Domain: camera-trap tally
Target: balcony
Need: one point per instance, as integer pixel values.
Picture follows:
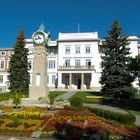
(76, 68)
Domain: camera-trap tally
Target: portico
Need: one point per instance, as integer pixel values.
(74, 80)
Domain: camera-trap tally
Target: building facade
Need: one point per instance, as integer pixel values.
(73, 61)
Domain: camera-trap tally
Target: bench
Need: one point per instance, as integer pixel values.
(94, 97)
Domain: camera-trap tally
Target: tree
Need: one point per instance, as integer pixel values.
(18, 70)
(116, 78)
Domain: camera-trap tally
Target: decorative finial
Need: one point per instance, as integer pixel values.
(41, 28)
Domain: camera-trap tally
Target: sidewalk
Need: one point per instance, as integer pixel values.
(66, 95)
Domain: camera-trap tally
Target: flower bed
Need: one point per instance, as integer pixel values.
(27, 115)
(19, 126)
(69, 122)
(64, 123)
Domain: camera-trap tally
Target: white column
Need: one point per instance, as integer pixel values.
(82, 81)
(59, 79)
(70, 80)
(92, 81)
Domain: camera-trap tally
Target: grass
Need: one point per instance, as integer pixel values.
(138, 96)
(134, 112)
(56, 93)
(4, 96)
(84, 94)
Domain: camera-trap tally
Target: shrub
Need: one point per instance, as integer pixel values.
(16, 97)
(119, 117)
(26, 125)
(76, 102)
(73, 108)
(4, 96)
(13, 124)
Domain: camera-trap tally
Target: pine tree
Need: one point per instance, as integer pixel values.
(116, 79)
(18, 71)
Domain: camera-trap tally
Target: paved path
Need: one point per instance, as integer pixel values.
(66, 95)
(137, 120)
(115, 109)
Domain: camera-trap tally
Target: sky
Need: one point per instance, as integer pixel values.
(64, 16)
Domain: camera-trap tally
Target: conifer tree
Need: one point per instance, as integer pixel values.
(18, 70)
(116, 78)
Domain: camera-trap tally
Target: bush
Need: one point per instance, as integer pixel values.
(4, 96)
(16, 97)
(76, 102)
(13, 124)
(26, 125)
(119, 117)
(73, 108)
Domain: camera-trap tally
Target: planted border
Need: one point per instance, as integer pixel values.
(116, 116)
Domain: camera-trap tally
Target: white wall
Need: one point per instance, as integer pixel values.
(133, 45)
(93, 55)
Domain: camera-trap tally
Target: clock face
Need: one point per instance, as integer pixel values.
(39, 38)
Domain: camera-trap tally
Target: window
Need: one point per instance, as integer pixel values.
(30, 79)
(10, 53)
(67, 63)
(37, 82)
(53, 79)
(77, 50)
(77, 63)
(88, 49)
(47, 79)
(67, 50)
(8, 64)
(1, 78)
(30, 64)
(3, 53)
(2, 64)
(7, 84)
(88, 63)
(51, 64)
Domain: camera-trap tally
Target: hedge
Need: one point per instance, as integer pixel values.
(76, 102)
(116, 116)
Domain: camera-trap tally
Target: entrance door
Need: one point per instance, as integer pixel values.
(79, 84)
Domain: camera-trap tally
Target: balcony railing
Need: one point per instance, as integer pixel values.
(92, 67)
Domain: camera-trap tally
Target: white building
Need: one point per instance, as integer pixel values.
(74, 61)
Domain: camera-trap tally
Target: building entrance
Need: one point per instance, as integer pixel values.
(79, 84)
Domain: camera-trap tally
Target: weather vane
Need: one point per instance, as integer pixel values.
(41, 28)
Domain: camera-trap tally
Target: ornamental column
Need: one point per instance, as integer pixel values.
(70, 81)
(82, 81)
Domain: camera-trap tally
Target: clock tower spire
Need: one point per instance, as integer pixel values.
(38, 87)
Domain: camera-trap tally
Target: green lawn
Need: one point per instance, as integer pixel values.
(134, 112)
(84, 94)
(56, 93)
(138, 96)
(4, 96)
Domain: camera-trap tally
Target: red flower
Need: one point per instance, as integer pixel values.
(77, 124)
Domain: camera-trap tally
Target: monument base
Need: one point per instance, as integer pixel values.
(36, 92)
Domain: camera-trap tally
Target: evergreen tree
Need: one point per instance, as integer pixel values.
(116, 79)
(18, 71)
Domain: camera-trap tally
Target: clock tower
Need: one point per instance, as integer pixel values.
(38, 86)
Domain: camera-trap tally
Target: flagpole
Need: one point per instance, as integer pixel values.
(78, 27)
